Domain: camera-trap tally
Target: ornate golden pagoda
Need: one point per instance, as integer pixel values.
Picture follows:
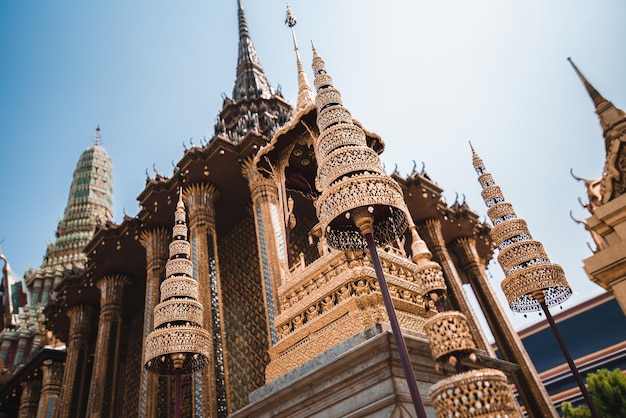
(350, 175)
(530, 276)
(178, 342)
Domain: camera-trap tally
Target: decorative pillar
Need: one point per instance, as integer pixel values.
(50, 388)
(29, 399)
(156, 242)
(71, 399)
(431, 230)
(201, 198)
(530, 388)
(270, 238)
(104, 377)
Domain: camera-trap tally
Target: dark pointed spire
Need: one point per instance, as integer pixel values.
(97, 137)
(593, 93)
(613, 123)
(251, 80)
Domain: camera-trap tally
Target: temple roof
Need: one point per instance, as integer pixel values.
(613, 123)
(251, 81)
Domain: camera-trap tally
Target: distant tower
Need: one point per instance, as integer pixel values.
(607, 201)
(90, 203)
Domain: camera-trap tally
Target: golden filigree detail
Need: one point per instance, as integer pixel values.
(179, 266)
(500, 211)
(180, 247)
(333, 115)
(179, 231)
(178, 342)
(431, 278)
(547, 279)
(177, 339)
(346, 160)
(481, 393)
(449, 334)
(509, 229)
(359, 190)
(492, 195)
(327, 96)
(176, 286)
(178, 310)
(338, 136)
(519, 253)
(322, 80)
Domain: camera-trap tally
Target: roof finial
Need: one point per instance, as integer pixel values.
(181, 204)
(97, 138)
(315, 54)
(479, 166)
(305, 93)
(593, 93)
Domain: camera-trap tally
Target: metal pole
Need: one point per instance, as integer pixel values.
(568, 357)
(395, 326)
(177, 403)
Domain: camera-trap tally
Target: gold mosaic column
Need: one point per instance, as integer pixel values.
(71, 401)
(156, 242)
(29, 399)
(104, 377)
(431, 229)
(270, 238)
(201, 198)
(530, 388)
(50, 388)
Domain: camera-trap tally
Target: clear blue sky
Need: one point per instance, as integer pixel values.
(426, 76)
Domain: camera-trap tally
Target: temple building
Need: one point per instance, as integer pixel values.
(295, 327)
(607, 201)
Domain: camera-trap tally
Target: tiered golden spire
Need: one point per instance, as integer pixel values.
(530, 275)
(350, 174)
(178, 342)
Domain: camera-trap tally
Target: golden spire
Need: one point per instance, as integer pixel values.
(305, 93)
(350, 175)
(178, 342)
(530, 276)
(593, 93)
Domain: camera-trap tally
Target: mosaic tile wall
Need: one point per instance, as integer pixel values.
(244, 317)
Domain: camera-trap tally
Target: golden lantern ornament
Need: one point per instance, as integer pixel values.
(360, 206)
(178, 344)
(532, 282)
(350, 175)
